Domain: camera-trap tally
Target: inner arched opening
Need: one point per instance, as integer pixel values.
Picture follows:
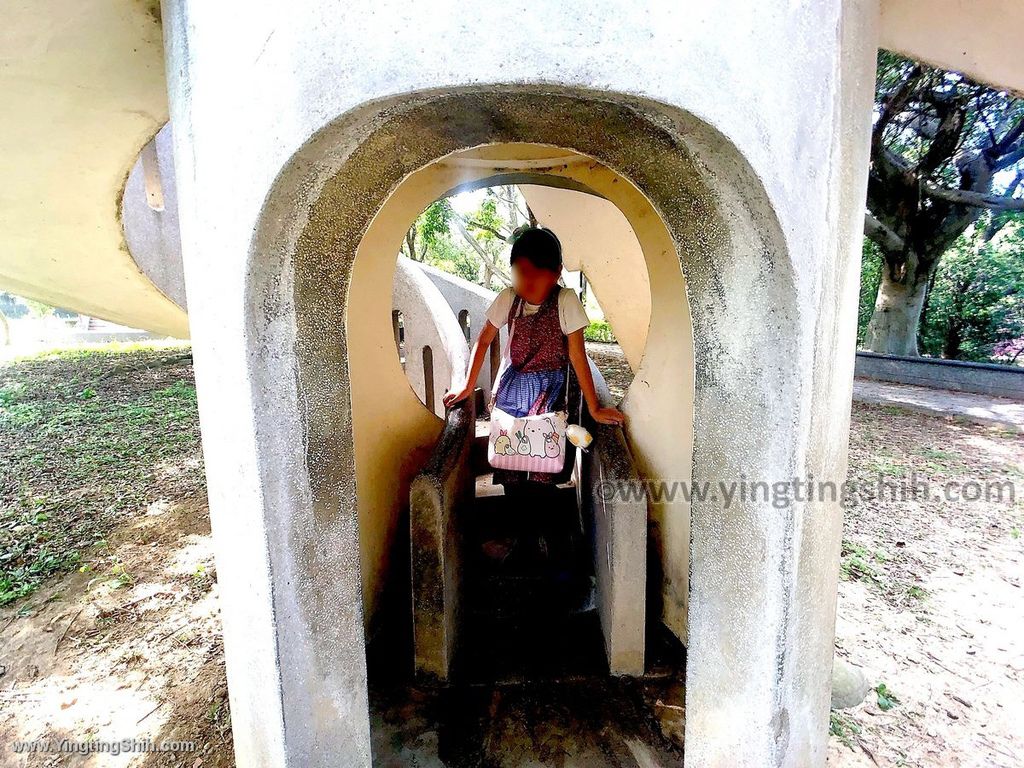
(590, 207)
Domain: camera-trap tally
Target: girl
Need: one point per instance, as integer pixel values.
(548, 334)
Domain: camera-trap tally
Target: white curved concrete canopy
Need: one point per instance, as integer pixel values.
(430, 325)
(84, 90)
(980, 38)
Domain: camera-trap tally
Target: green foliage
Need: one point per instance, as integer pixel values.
(886, 698)
(856, 563)
(870, 278)
(461, 242)
(85, 439)
(938, 127)
(434, 222)
(488, 220)
(844, 728)
(599, 330)
(38, 308)
(450, 256)
(977, 298)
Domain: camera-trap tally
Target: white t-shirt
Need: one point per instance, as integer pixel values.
(571, 314)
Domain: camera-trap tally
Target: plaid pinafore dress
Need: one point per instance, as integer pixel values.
(535, 379)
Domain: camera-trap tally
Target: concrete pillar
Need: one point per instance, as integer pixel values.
(440, 498)
(293, 125)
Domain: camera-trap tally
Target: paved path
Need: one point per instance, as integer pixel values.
(943, 402)
(983, 409)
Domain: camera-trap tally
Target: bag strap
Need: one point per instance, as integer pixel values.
(505, 355)
(512, 324)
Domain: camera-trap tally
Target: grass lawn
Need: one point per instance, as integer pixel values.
(88, 438)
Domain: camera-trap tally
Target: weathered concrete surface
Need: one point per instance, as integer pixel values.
(755, 180)
(85, 90)
(153, 234)
(619, 509)
(439, 497)
(464, 296)
(597, 238)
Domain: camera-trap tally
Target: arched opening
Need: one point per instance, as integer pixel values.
(428, 379)
(398, 327)
(599, 244)
(317, 260)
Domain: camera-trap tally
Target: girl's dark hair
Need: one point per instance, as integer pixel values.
(540, 247)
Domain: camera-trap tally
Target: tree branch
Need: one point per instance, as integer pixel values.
(894, 103)
(975, 199)
(881, 234)
(1010, 158)
(479, 225)
(481, 252)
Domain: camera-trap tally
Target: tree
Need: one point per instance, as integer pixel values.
(937, 145)
(484, 235)
(976, 303)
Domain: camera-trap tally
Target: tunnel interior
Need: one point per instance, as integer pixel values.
(529, 618)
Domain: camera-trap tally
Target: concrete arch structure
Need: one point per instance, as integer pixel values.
(248, 90)
(305, 261)
(600, 242)
(469, 302)
(327, 110)
(149, 217)
(429, 324)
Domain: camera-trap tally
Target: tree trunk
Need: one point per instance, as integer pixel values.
(892, 329)
(952, 341)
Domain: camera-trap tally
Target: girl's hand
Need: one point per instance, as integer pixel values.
(608, 416)
(451, 398)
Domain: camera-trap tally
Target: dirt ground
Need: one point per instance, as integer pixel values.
(930, 607)
(87, 658)
(110, 624)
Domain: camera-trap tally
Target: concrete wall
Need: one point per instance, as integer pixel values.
(631, 263)
(315, 123)
(390, 447)
(597, 239)
(430, 324)
(463, 295)
(149, 216)
(654, 328)
(84, 91)
(620, 541)
(957, 375)
(980, 38)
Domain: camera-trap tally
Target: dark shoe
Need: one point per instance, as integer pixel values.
(498, 549)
